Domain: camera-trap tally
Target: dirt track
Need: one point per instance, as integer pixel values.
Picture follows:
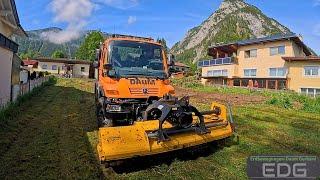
(204, 98)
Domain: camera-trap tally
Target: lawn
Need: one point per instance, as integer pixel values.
(53, 135)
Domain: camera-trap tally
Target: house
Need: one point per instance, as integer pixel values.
(9, 62)
(179, 70)
(61, 66)
(280, 61)
(180, 67)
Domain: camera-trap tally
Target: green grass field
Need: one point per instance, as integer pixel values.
(53, 135)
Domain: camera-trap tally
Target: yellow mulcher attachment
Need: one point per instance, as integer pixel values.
(178, 125)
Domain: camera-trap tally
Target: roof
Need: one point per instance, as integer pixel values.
(180, 64)
(10, 16)
(308, 58)
(277, 37)
(63, 60)
(30, 62)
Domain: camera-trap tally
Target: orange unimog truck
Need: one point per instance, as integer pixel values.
(137, 111)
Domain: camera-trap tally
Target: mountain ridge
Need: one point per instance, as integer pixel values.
(234, 20)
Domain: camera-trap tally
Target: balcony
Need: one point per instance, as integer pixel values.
(216, 62)
(8, 44)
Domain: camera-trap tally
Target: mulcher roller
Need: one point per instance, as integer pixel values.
(167, 125)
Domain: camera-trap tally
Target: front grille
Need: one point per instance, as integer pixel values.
(142, 92)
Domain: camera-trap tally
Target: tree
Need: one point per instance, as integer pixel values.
(29, 54)
(164, 44)
(87, 49)
(58, 54)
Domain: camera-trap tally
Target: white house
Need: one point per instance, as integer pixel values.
(9, 25)
(60, 66)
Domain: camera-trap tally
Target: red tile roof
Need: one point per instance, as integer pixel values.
(30, 62)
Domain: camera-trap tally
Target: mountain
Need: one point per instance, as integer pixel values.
(234, 20)
(35, 42)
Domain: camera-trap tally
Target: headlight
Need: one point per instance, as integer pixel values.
(172, 92)
(112, 92)
(113, 108)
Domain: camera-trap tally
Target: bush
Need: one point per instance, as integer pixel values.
(282, 101)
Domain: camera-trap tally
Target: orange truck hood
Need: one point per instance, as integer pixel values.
(136, 87)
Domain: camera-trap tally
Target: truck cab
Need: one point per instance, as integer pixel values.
(132, 73)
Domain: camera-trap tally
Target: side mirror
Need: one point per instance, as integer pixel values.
(95, 64)
(171, 60)
(107, 67)
(98, 52)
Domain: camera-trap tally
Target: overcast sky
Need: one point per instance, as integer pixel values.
(157, 18)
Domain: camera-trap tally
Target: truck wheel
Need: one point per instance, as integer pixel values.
(96, 92)
(102, 120)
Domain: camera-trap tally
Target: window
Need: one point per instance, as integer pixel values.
(129, 58)
(277, 50)
(205, 63)
(44, 66)
(250, 72)
(277, 72)
(236, 82)
(54, 67)
(311, 71)
(219, 61)
(226, 61)
(83, 69)
(271, 84)
(250, 53)
(212, 62)
(282, 84)
(217, 73)
(312, 92)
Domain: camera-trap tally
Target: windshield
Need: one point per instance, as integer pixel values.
(130, 58)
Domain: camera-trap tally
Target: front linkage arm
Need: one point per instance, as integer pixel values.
(168, 106)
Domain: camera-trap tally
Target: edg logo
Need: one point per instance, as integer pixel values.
(283, 170)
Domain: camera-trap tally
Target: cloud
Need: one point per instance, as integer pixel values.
(132, 19)
(120, 4)
(316, 3)
(72, 12)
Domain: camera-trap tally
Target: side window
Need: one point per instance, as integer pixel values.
(250, 53)
(312, 92)
(54, 67)
(105, 56)
(311, 70)
(44, 66)
(281, 50)
(83, 69)
(277, 50)
(157, 53)
(250, 72)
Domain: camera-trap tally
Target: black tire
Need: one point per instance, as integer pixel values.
(101, 119)
(96, 92)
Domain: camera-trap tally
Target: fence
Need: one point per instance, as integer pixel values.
(22, 89)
